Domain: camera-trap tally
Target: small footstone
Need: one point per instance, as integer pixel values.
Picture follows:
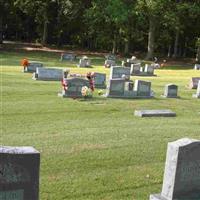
(154, 113)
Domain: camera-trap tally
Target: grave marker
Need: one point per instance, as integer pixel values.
(171, 91)
(100, 80)
(67, 57)
(143, 88)
(197, 95)
(74, 87)
(197, 66)
(32, 66)
(19, 177)
(182, 171)
(119, 72)
(194, 82)
(49, 74)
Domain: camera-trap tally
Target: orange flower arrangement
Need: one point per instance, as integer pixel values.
(24, 62)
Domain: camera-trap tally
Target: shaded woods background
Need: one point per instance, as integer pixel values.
(169, 28)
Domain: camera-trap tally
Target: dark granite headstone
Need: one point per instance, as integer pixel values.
(135, 69)
(143, 88)
(110, 57)
(67, 57)
(109, 63)
(100, 80)
(182, 171)
(32, 66)
(171, 91)
(74, 87)
(19, 173)
(118, 72)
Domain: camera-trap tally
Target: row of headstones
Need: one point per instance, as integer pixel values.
(116, 88)
(53, 74)
(133, 63)
(120, 85)
(20, 167)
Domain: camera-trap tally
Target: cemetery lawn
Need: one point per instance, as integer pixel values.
(94, 149)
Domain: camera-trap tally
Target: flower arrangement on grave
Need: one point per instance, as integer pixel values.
(90, 77)
(86, 92)
(64, 84)
(24, 62)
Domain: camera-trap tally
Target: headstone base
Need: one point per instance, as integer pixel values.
(128, 97)
(164, 96)
(159, 197)
(60, 94)
(156, 197)
(142, 74)
(196, 96)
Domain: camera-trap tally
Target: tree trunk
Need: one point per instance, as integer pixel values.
(45, 33)
(176, 44)
(114, 45)
(151, 38)
(169, 51)
(1, 29)
(198, 54)
(126, 47)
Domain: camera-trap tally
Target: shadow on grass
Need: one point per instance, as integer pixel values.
(178, 67)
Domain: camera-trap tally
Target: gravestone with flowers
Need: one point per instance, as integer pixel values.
(72, 87)
(31, 66)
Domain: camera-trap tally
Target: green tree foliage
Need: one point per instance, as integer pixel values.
(164, 27)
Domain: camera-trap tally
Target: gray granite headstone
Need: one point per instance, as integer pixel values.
(74, 87)
(197, 95)
(116, 87)
(149, 69)
(100, 80)
(84, 63)
(197, 66)
(19, 173)
(48, 74)
(182, 171)
(67, 57)
(143, 88)
(109, 63)
(110, 57)
(194, 82)
(171, 91)
(118, 72)
(32, 66)
(135, 69)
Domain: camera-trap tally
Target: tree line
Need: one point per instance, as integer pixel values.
(159, 27)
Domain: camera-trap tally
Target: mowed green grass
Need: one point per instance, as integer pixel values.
(94, 149)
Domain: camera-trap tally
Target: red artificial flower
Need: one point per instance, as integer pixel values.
(24, 62)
